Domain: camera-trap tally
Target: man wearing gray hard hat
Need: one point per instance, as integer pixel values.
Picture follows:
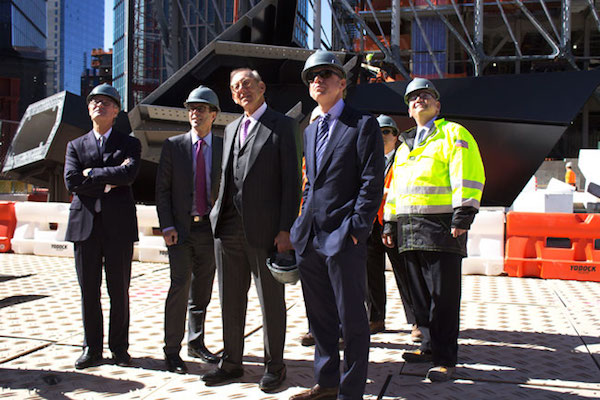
(187, 183)
(343, 153)
(100, 168)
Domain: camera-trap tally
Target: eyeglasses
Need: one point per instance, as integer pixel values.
(423, 95)
(322, 73)
(387, 131)
(243, 84)
(104, 102)
(200, 108)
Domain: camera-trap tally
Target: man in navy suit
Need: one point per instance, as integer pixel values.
(187, 184)
(344, 170)
(100, 168)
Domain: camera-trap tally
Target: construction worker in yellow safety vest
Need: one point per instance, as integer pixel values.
(435, 192)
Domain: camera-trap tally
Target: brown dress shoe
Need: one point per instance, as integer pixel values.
(317, 392)
(376, 326)
(416, 335)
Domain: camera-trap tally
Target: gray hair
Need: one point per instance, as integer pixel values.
(253, 73)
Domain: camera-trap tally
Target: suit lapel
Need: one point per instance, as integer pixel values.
(111, 144)
(91, 146)
(187, 156)
(309, 151)
(335, 136)
(215, 170)
(262, 135)
(229, 137)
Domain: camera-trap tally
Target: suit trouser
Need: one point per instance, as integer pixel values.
(435, 279)
(376, 298)
(237, 262)
(334, 292)
(192, 265)
(90, 255)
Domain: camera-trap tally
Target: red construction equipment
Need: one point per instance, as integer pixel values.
(8, 222)
(553, 246)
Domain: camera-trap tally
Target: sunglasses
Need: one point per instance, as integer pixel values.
(387, 131)
(422, 95)
(323, 74)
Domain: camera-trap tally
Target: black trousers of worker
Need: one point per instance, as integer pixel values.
(192, 264)
(435, 284)
(90, 255)
(376, 291)
(237, 262)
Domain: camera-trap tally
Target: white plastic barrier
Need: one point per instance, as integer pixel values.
(41, 229)
(150, 248)
(485, 246)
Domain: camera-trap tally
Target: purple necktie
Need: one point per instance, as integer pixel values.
(245, 125)
(200, 179)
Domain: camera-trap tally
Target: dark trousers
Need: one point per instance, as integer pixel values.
(376, 290)
(435, 279)
(237, 262)
(334, 294)
(90, 255)
(192, 265)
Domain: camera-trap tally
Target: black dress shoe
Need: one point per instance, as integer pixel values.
(272, 380)
(88, 359)
(417, 356)
(219, 375)
(175, 364)
(202, 353)
(121, 358)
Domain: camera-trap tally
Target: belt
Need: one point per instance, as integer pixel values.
(199, 218)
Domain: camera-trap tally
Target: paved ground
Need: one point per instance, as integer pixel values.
(520, 338)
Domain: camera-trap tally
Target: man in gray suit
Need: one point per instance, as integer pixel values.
(187, 184)
(257, 204)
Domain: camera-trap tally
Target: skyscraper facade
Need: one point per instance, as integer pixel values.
(75, 27)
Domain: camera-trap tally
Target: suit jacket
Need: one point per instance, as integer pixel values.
(271, 187)
(118, 206)
(343, 196)
(175, 181)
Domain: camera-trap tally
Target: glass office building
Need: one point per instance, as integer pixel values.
(23, 23)
(75, 27)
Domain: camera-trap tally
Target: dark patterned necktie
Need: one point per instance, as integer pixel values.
(322, 138)
(200, 179)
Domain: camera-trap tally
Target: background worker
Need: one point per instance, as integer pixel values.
(100, 168)
(570, 176)
(376, 250)
(433, 198)
(187, 184)
(344, 171)
(258, 201)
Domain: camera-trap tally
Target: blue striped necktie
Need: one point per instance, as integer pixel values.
(322, 138)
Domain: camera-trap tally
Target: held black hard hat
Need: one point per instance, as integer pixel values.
(105, 90)
(283, 267)
(322, 58)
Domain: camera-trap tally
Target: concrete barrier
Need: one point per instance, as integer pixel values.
(485, 246)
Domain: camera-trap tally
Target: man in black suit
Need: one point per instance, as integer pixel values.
(344, 171)
(187, 183)
(100, 167)
(257, 204)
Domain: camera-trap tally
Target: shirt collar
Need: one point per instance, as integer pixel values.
(207, 139)
(106, 135)
(428, 125)
(335, 111)
(257, 114)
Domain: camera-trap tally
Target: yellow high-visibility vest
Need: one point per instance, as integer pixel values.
(443, 173)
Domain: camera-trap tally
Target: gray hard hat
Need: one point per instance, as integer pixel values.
(386, 121)
(105, 90)
(322, 58)
(283, 267)
(203, 94)
(420, 84)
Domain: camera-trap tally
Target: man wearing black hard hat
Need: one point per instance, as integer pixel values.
(344, 187)
(187, 184)
(100, 168)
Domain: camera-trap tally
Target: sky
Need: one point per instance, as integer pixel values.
(108, 24)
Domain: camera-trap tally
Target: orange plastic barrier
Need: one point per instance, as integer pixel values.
(8, 222)
(553, 246)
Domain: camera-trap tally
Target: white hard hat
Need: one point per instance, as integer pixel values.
(569, 164)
